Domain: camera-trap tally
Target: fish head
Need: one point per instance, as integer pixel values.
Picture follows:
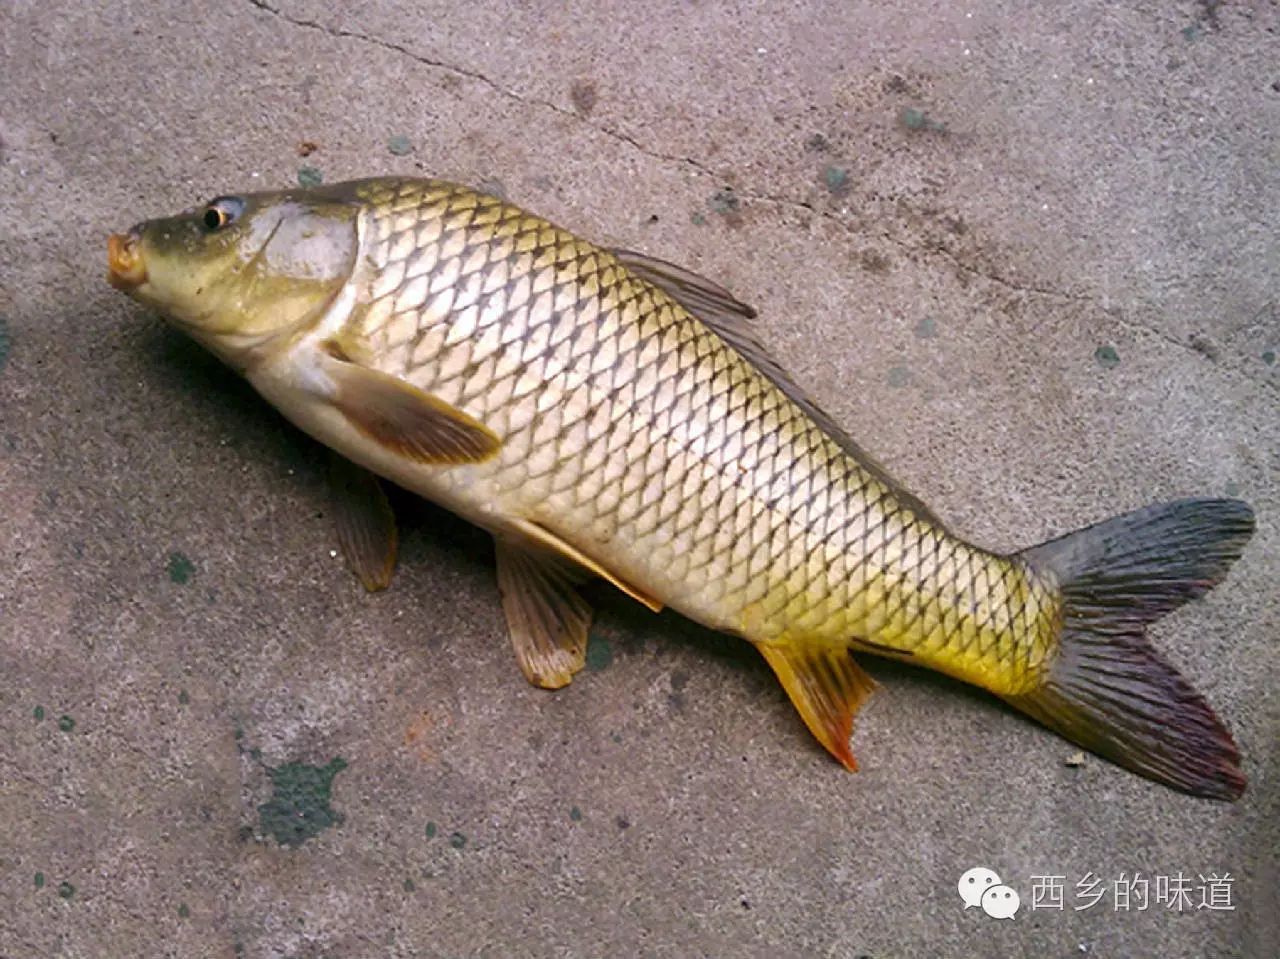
(239, 271)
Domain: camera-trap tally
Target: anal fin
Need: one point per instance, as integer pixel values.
(544, 537)
(827, 687)
(547, 619)
(365, 524)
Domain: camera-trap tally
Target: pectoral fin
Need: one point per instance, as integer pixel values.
(546, 617)
(403, 418)
(827, 687)
(549, 540)
(365, 524)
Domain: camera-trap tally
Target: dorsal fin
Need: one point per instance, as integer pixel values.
(730, 319)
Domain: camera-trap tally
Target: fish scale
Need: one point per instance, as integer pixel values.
(617, 409)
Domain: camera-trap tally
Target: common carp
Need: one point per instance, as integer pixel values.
(604, 413)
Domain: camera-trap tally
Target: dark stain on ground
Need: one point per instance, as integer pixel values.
(180, 568)
(726, 203)
(873, 261)
(836, 180)
(575, 814)
(599, 653)
(299, 809)
(1269, 357)
(896, 83)
(584, 96)
(623, 822)
(917, 121)
(66, 724)
(66, 890)
(1209, 13)
(679, 680)
(4, 342)
(1204, 346)
(457, 840)
(817, 143)
(38, 713)
(309, 176)
(1107, 357)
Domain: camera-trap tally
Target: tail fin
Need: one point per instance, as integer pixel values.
(1107, 689)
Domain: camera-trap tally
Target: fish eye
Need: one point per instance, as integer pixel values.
(221, 212)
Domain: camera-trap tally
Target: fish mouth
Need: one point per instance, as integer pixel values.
(125, 269)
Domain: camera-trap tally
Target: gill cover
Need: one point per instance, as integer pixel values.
(242, 270)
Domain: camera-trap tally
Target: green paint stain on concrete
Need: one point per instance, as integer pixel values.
(697, 219)
(575, 814)
(66, 890)
(5, 341)
(180, 568)
(39, 879)
(927, 328)
(183, 911)
(1269, 357)
(1107, 357)
(725, 202)
(457, 840)
(899, 376)
(836, 180)
(409, 886)
(399, 145)
(299, 810)
(183, 698)
(66, 723)
(915, 119)
(38, 713)
(309, 176)
(431, 830)
(599, 653)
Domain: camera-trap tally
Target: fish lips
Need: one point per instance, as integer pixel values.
(126, 270)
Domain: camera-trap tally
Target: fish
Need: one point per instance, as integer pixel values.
(608, 414)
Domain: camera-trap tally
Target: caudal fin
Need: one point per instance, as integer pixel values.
(1107, 689)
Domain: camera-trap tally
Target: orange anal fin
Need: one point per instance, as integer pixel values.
(827, 687)
(544, 537)
(364, 522)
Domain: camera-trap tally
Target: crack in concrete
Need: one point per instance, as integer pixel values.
(927, 250)
(506, 92)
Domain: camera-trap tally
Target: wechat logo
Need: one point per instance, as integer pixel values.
(981, 886)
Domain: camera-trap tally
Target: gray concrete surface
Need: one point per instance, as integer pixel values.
(1077, 176)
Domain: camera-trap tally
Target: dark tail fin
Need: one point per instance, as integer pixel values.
(1107, 689)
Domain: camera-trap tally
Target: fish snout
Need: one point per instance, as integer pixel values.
(125, 269)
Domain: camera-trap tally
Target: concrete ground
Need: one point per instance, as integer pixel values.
(1026, 252)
